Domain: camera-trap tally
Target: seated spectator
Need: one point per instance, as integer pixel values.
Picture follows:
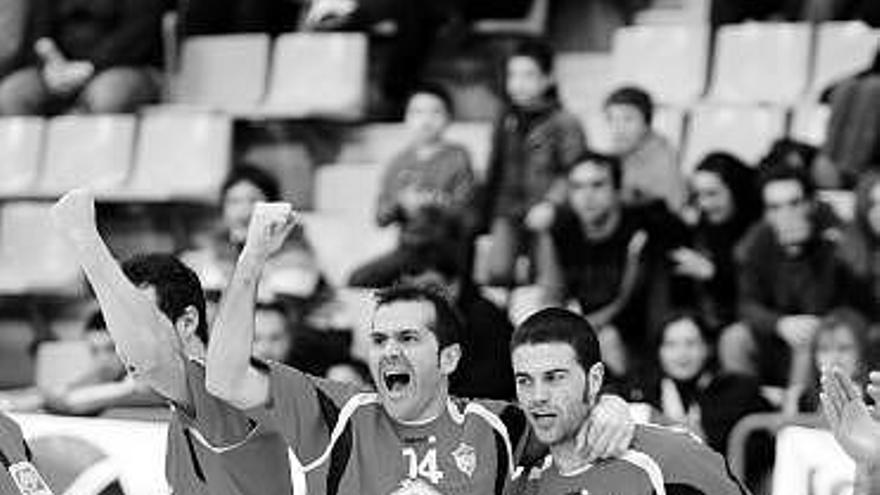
(429, 169)
(688, 388)
(272, 339)
(727, 204)
(211, 17)
(840, 342)
(650, 163)
(790, 275)
(534, 145)
(351, 371)
(86, 55)
(613, 260)
(484, 369)
(292, 272)
(861, 243)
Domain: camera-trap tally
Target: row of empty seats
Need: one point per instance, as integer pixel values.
(158, 156)
(754, 63)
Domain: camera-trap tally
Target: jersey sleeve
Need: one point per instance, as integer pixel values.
(299, 408)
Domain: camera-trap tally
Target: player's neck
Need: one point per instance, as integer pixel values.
(567, 459)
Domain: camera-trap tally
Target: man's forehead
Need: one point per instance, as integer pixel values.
(403, 315)
(543, 356)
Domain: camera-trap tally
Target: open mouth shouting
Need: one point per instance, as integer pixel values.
(397, 380)
(543, 419)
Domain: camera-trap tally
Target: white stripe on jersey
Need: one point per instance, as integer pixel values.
(498, 425)
(345, 415)
(649, 466)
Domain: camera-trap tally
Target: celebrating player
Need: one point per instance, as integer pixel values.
(558, 370)
(409, 436)
(155, 310)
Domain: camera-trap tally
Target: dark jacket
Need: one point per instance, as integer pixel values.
(531, 149)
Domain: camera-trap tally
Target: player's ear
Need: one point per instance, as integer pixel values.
(595, 378)
(449, 357)
(188, 322)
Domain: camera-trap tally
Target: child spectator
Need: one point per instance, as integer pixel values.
(534, 145)
(727, 204)
(272, 339)
(650, 163)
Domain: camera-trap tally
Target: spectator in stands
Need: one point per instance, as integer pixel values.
(861, 242)
(614, 260)
(272, 339)
(86, 55)
(211, 17)
(13, 16)
(650, 163)
(790, 275)
(484, 369)
(534, 145)
(351, 371)
(841, 342)
(727, 204)
(688, 388)
(106, 385)
(417, 26)
(292, 272)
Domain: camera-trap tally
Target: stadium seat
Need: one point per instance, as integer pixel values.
(810, 124)
(223, 72)
(670, 62)
(318, 75)
(92, 151)
(842, 48)
(181, 155)
(21, 145)
(379, 143)
(533, 24)
(747, 132)
(761, 63)
(584, 79)
(348, 189)
(33, 256)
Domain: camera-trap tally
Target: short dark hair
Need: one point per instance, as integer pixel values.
(436, 90)
(447, 325)
(558, 325)
(95, 322)
(610, 163)
(781, 172)
(177, 286)
(537, 50)
(635, 97)
(262, 180)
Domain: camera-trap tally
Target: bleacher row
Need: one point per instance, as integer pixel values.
(763, 84)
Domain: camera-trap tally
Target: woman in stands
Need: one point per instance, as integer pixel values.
(688, 388)
(861, 244)
(726, 204)
(841, 342)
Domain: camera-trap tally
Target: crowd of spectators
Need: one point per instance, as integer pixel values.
(715, 294)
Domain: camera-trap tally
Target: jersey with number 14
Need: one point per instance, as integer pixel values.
(348, 443)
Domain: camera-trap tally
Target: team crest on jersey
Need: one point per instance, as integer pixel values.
(415, 487)
(465, 459)
(28, 479)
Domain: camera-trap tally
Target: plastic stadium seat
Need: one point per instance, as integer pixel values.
(318, 75)
(747, 132)
(670, 62)
(89, 150)
(21, 145)
(534, 23)
(223, 72)
(348, 189)
(810, 124)
(761, 63)
(584, 79)
(181, 155)
(379, 143)
(33, 256)
(842, 48)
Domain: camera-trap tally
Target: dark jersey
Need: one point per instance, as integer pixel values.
(660, 461)
(349, 444)
(215, 449)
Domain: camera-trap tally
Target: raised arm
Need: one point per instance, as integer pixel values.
(230, 375)
(145, 338)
